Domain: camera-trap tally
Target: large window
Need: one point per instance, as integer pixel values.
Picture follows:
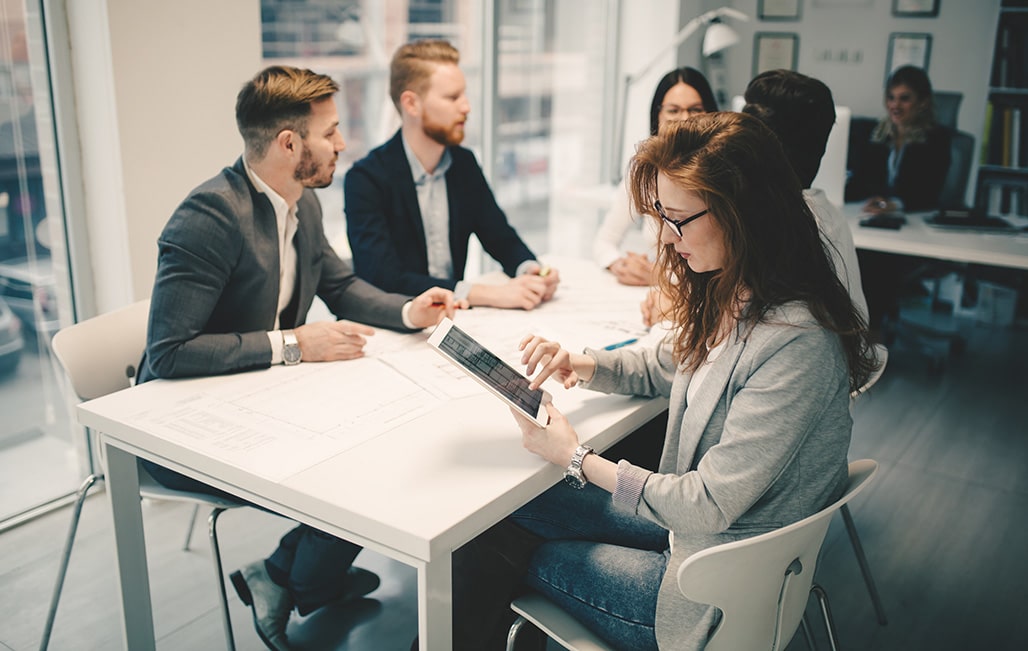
(535, 124)
(38, 440)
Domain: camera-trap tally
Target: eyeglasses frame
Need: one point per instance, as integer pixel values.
(676, 226)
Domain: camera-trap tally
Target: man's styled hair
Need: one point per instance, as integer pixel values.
(278, 98)
(414, 63)
(799, 110)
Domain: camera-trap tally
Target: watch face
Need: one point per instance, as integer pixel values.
(291, 354)
(573, 480)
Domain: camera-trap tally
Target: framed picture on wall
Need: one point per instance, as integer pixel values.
(774, 50)
(915, 8)
(779, 9)
(908, 50)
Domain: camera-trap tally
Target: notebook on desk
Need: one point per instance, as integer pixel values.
(967, 220)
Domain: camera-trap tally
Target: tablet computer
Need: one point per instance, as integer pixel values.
(490, 371)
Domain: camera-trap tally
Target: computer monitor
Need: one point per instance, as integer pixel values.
(831, 176)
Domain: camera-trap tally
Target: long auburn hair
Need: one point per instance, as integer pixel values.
(773, 250)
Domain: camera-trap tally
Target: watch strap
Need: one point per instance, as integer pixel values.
(574, 475)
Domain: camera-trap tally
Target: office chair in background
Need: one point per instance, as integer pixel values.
(947, 107)
(938, 339)
(761, 584)
(99, 356)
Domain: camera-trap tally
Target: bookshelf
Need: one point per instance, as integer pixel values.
(1002, 187)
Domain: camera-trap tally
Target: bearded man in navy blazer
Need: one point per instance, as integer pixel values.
(239, 264)
(413, 203)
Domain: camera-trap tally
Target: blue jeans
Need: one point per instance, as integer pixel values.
(601, 565)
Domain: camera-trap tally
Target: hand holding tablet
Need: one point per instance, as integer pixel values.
(490, 371)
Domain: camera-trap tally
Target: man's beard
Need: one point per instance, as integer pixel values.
(444, 136)
(307, 172)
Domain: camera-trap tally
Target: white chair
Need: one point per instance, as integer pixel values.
(847, 518)
(760, 584)
(99, 356)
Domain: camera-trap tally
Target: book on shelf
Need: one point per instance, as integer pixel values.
(1004, 136)
(1014, 137)
(1010, 56)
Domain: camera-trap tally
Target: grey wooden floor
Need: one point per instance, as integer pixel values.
(943, 526)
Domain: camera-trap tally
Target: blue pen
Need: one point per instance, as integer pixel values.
(626, 342)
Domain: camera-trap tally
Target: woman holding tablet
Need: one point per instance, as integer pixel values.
(759, 368)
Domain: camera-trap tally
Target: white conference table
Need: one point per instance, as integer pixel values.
(415, 492)
(916, 238)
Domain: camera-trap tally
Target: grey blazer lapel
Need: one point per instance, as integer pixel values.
(708, 397)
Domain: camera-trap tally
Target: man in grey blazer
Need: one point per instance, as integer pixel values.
(239, 264)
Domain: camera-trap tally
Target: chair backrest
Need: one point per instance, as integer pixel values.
(947, 107)
(882, 353)
(100, 355)
(961, 157)
(762, 584)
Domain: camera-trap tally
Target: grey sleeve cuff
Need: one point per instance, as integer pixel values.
(629, 488)
(461, 290)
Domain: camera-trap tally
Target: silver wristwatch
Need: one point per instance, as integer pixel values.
(573, 475)
(291, 354)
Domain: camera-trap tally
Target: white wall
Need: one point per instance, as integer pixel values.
(155, 86)
(646, 28)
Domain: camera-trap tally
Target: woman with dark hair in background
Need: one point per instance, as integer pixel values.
(680, 94)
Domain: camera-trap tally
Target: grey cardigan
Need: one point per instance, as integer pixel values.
(764, 444)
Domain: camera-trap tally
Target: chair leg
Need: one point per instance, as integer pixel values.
(62, 569)
(826, 613)
(515, 628)
(189, 530)
(807, 634)
(212, 529)
(858, 550)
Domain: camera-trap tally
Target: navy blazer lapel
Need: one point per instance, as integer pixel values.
(402, 179)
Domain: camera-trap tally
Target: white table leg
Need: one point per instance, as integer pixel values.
(130, 545)
(435, 604)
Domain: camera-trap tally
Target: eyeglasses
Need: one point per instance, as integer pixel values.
(674, 111)
(676, 226)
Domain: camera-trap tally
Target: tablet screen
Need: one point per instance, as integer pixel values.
(490, 369)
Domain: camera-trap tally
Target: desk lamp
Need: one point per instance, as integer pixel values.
(718, 37)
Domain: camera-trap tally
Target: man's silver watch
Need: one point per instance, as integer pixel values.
(573, 475)
(291, 354)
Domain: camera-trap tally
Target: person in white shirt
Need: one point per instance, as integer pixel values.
(801, 112)
(623, 245)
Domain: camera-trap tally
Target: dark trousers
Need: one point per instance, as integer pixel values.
(886, 277)
(309, 563)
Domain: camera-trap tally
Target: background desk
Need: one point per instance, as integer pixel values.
(414, 493)
(919, 239)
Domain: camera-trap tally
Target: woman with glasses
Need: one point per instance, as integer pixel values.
(681, 94)
(759, 368)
